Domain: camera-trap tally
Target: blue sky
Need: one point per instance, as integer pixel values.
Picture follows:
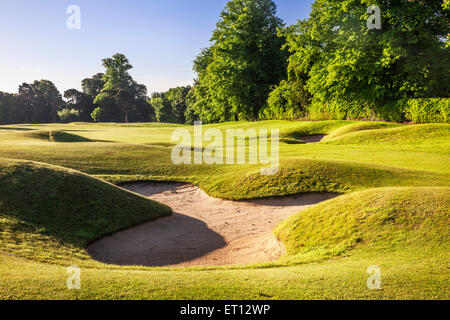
(159, 37)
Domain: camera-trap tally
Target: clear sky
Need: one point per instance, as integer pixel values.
(159, 37)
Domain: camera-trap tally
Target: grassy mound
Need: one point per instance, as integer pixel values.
(430, 133)
(377, 220)
(50, 213)
(360, 127)
(307, 128)
(306, 175)
(55, 136)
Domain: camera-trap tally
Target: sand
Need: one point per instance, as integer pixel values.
(202, 231)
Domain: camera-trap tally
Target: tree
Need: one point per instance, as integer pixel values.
(120, 91)
(162, 107)
(170, 106)
(50, 101)
(177, 98)
(352, 71)
(245, 59)
(26, 99)
(125, 100)
(93, 86)
(41, 101)
(11, 110)
(81, 102)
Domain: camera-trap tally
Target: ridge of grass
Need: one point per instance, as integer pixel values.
(375, 221)
(357, 127)
(313, 175)
(56, 136)
(412, 134)
(50, 213)
(44, 135)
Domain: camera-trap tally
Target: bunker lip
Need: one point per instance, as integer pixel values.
(313, 138)
(202, 231)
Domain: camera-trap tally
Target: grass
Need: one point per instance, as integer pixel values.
(393, 212)
(55, 136)
(50, 213)
(377, 220)
(415, 135)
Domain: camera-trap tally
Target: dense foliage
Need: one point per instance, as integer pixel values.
(170, 106)
(245, 59)
(37, 102)
(428, 110)
(352, 71)
(121, 99)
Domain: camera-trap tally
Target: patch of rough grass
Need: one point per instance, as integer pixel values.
(375, 221)
(50, 214)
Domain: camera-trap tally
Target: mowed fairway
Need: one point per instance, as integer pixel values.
(394, 182)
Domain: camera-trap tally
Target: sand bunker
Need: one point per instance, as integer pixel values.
(313, 139)
(203, 231)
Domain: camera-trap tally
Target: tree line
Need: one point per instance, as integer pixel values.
(112, 96)
(328, 66)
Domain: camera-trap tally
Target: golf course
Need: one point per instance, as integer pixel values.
(226, 158)
(362, 194)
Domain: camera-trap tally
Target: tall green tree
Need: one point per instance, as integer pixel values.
(26, 98)
(120, 92)
(41, 101)
(245, 59)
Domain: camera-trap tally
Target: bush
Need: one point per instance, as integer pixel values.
(69, 115)
(287, 101)
(435, 110)
(431, 110)
(342, 110)
(391, 111)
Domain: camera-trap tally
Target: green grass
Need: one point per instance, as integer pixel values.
(414, 134)
(393, 212)
(55, 136)
(326, 166)
(43, 135)
(360, 127)
(50, 214)
(377, 220)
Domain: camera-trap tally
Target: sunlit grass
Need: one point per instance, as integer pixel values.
(400, 224)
